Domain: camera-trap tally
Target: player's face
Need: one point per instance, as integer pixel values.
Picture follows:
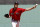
(15, 6)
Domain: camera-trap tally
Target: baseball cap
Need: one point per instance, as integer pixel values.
(16, 3)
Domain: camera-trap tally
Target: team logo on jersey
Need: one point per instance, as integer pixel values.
(12, 13)
(17, 13)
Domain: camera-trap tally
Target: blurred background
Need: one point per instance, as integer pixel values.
(28, 18)
(20, 1)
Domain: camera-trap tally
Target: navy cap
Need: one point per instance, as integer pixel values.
(16, 3)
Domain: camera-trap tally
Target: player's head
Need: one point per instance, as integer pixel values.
(16, 5)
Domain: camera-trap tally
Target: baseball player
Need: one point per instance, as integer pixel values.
(16, 12)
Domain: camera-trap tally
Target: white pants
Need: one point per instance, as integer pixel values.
(15, 23)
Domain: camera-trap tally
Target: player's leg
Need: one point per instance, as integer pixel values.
(17, 25)
(14, 24)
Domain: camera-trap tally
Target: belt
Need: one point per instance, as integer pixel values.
(15, 20)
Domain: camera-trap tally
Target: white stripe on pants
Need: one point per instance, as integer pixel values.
(15, 23)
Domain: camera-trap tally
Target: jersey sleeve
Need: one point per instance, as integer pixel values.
(10, 12)
(23, 10)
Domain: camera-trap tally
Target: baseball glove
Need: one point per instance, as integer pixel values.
(6, 15)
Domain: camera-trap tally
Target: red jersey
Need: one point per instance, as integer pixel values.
(16, 14)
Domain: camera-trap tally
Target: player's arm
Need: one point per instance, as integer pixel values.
(31, 8)
(9, 13)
